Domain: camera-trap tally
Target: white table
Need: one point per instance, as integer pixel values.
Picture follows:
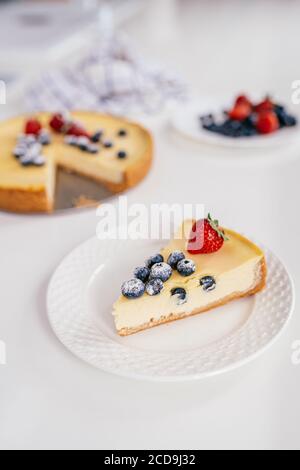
(48, 398)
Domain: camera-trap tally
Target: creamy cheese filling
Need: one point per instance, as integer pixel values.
(135, 313)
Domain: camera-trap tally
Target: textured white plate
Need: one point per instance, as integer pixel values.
(186, 121)
(87, 283)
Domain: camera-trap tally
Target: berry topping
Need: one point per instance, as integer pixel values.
(108, 144)
(122, 155)
(83, 143)
(154, 260)
(208, 283)
(133, 289)
(265, 105)
(240, 112)
(33, 127)
(180, 294)
(78, 131)
(122, 133)
(154, 287)
(162, 271)
(267, 122)
(243, 100)
(97, 137)
(186, 267)
(206, 237)
(142, 273)
(94, 149)
(174, 259)
(44, 137)
(57, 122)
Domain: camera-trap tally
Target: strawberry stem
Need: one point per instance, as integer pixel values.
(215, 226)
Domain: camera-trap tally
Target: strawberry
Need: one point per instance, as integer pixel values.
(240, 112)
(33, 126)
(206, 237)
(77, 131)
(57, 122)
(267, 122)
(243, 99)
(266, 105)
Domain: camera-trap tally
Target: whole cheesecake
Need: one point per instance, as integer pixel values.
(119, 160)
(200, 282)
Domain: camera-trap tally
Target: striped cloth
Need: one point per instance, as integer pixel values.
(111, 79)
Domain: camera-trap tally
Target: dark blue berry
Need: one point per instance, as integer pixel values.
(94, 149)
(108, 144)
(161, 271)
(174, 258)
(122, 154)
(186, 267)
(122, 133)
(142, 273)
(133, 289)
(97, 137)
(154, 260)
(154, 287)
(208, 283)
(181, 295)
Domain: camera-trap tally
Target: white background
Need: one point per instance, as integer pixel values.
(49, 399)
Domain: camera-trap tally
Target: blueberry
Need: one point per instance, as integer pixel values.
(154, 260)
(154, 287)
(133, 289)
(20, 151)
(186, 267)
(181, 295)
(142, 273)
(97, 137)
(108, 144)
(83, 143)
(161, 271)
(174, 258)
(71, 140)
(44, 138)
(122, 133)
(122, 154)
(208, 283)
(92, 148)
(39, 161)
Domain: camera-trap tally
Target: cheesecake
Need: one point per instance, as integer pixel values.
(182, 281)
(119, 158)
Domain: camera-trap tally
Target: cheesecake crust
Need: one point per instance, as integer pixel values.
(262, 280)
(21, 201)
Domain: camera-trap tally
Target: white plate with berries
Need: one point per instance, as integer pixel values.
(84, 288)
(243, 123)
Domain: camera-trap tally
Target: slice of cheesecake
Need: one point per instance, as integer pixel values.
(236, 270)
(123, 160)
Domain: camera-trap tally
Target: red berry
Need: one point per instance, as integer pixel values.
(243, 99)
(77, 131)
(265, 105)
(33, 126)
(57, 122)
(206, 237)
(240, 112)
(267, 123)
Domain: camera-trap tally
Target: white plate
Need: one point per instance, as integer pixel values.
(87, 283)
(186, 121)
